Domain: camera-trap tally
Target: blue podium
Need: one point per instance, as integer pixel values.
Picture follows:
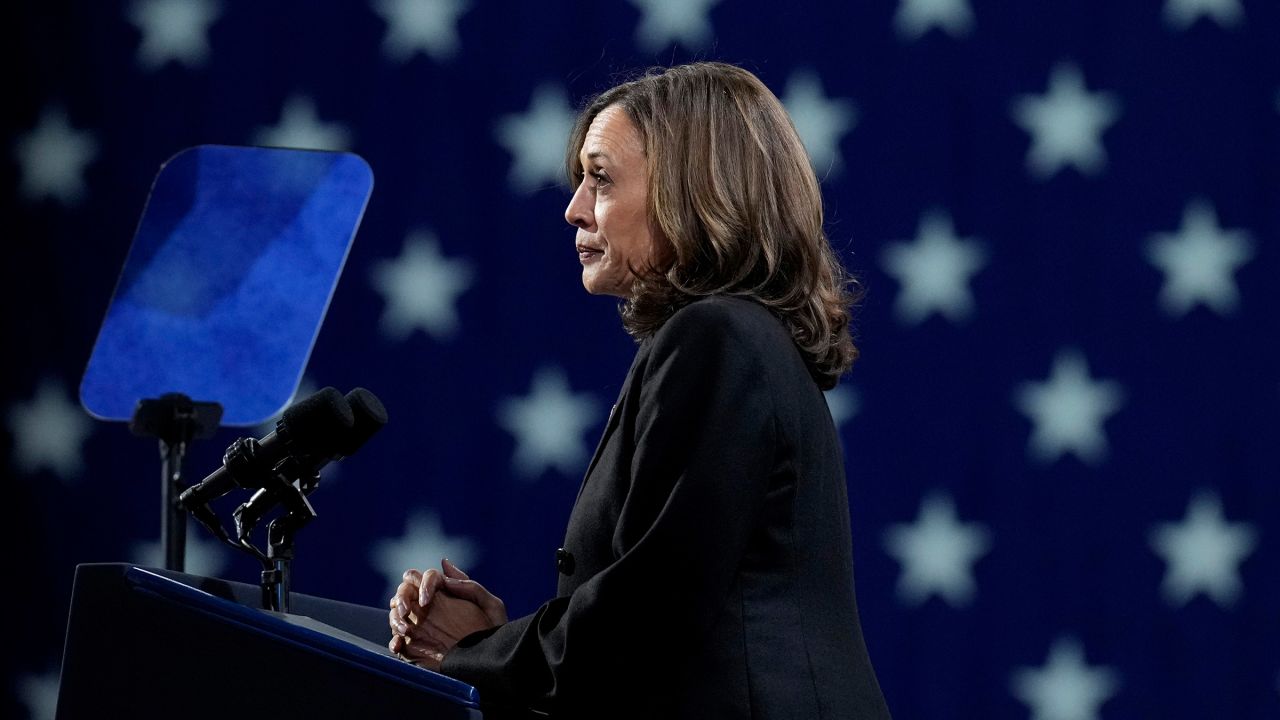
(144, 643)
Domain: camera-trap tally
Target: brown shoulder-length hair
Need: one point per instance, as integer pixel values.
(733, 199)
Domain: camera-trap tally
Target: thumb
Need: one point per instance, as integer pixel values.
(472, 591)
(453, 571)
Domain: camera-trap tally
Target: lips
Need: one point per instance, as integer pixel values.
(589, 253)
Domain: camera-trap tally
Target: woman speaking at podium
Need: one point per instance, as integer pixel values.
(707, 567)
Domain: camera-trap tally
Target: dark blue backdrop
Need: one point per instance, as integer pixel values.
(1061, 439)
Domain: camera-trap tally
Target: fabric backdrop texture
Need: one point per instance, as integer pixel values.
(1061, 439)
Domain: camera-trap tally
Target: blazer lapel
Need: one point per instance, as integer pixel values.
(614, 413)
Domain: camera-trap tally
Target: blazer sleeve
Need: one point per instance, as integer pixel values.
(705, 435)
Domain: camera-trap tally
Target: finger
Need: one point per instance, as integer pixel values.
(433, 661)
(397, 614)
(421, 654)
(397, 596)
(430, 584)
(471, 590)
(406, 599)
(412, 576)
(438, 633)
(406, 591)
(428, 635)
(453, 571)
(429, 659)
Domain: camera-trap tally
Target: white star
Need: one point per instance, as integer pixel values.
(915, 17)
(421, 289)
(1066, 124)
(548, 425)
(202, 555)
(1181, 14)
(429, 26)
(421, 547)
(671, 21)
(300, 127)
(1068, 410)
(40, 694)
(176, 30)
(53, 157)
(1065, 688)
(537, 138)
(843, 402)
(937, 553)
(1199, 262)
(934, 271)
(821, 122)
(49, 432)
(1203, 553)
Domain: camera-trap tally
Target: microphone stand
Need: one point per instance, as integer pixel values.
(281, 532)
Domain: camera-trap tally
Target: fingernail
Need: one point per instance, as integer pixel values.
(402, 628)
(402, 610)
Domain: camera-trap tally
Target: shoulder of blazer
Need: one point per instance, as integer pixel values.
(729, 322)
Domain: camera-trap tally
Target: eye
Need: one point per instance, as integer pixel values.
(600, 177)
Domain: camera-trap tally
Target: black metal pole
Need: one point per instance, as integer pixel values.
(175, 420)
(282, 587)
(280, 534)
(173, 521)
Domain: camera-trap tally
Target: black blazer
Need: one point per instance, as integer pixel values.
(709, 570)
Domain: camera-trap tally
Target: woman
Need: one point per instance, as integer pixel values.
(707, 570)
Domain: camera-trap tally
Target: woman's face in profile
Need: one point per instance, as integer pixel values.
(610, 205)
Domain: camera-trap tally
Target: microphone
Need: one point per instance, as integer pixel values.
(369, 415)
(309, 427)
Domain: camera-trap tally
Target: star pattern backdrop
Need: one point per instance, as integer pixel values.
(1061, 440)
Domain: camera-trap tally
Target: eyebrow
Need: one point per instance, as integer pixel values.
(598, 154)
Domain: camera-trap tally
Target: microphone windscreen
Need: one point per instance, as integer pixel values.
(370, 416)
(318, 424)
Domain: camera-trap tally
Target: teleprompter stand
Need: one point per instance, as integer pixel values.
(175, 420)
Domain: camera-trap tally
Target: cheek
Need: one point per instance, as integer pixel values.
(631, 231)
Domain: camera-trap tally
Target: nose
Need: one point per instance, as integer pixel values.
(581, 211)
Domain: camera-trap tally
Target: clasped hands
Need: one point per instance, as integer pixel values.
(432, 611)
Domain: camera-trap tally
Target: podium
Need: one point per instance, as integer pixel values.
(144, 642)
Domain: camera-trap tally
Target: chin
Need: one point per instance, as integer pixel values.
(595, 287)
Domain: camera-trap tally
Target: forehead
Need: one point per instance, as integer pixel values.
(613, 133)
